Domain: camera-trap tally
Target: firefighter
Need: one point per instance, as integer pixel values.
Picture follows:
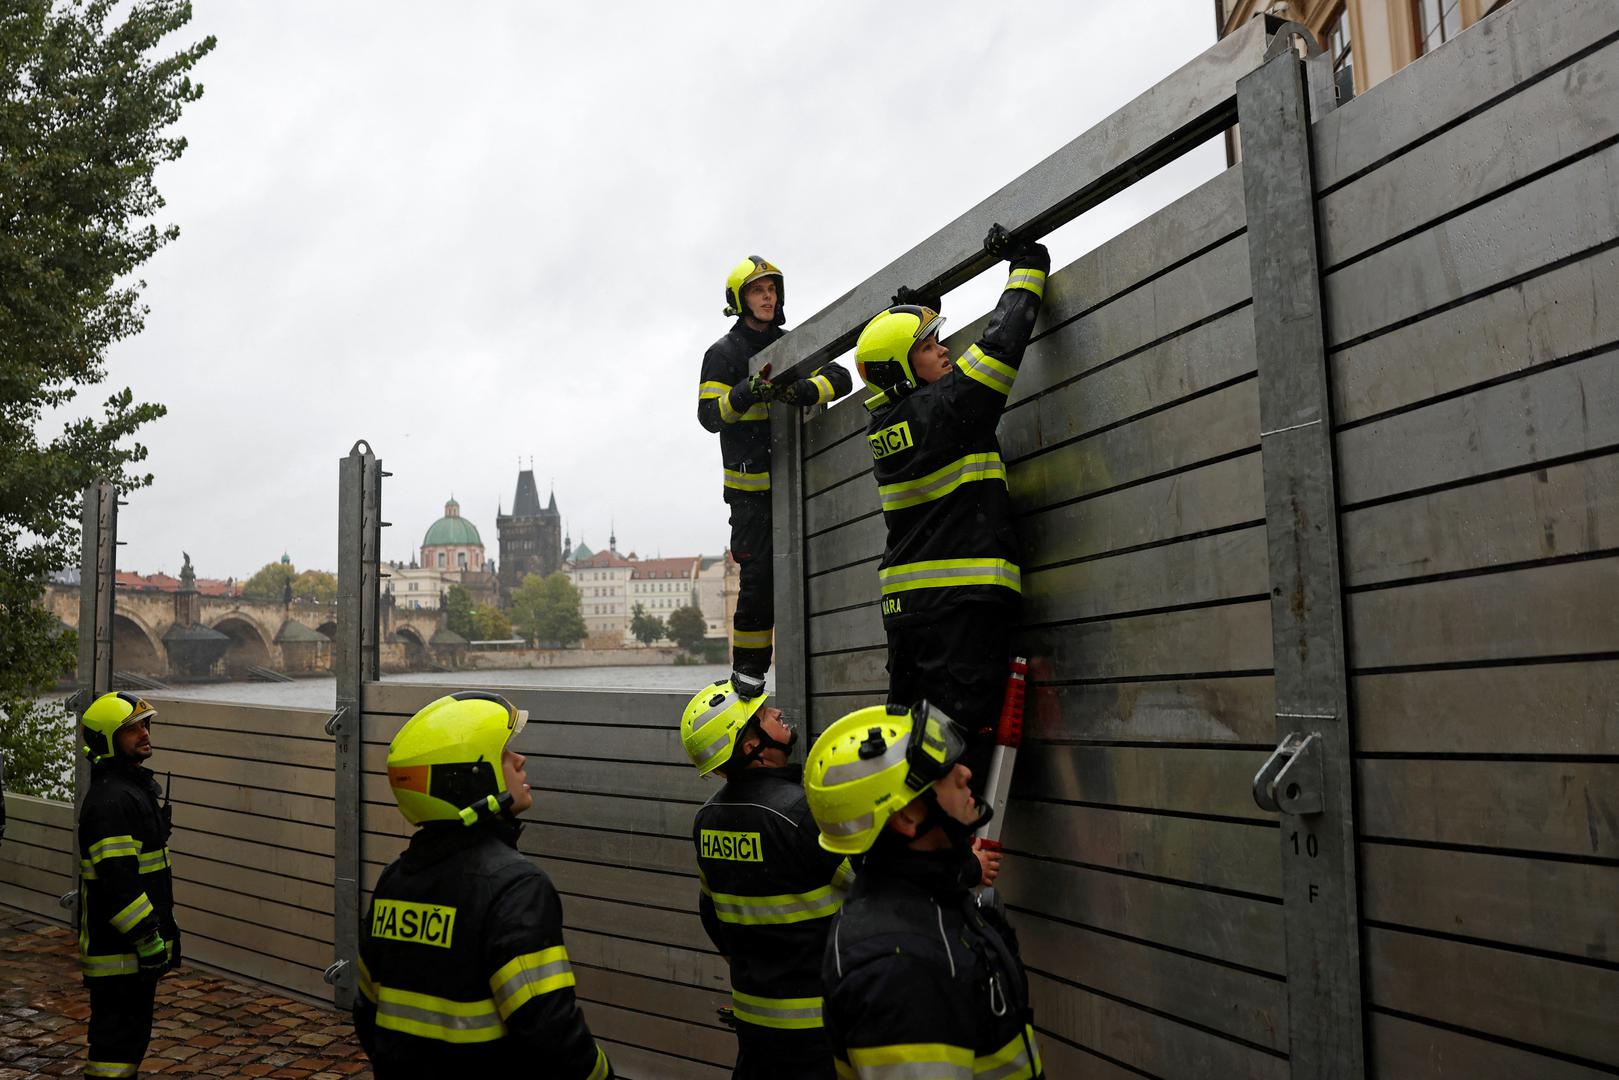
(736, 405)
(949, 575)
(127, 935)
(462, 969)
(919, 979)
(768, 888)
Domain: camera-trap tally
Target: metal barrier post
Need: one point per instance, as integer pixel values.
(98, 573)
(355, 662)
(791, 660)
(1309, 780)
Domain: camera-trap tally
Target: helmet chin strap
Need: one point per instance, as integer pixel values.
(767, 742)
(959, 833)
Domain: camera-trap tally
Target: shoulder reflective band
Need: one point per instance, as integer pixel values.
(153, 861)
(823, 389)
(775, 910)
(747, 481)
(429, 1017)
(753, 639)
(528, 976)
(110, 1068)
(980, 367)
(909, 1061)
(943, 573)
(127, 919)
(114, 847)
(366, 984)
(728, 412)
(941, 482)
(1010, 1062)
(421, 924)
(788, 1014)
(1033, 280)
(708, 390)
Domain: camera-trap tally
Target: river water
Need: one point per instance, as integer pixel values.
(322, 693)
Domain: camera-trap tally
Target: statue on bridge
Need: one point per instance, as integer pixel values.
(188, 576)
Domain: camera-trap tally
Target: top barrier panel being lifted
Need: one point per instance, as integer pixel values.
(1190, 106)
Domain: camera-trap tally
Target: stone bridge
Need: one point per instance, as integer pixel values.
(160, 632)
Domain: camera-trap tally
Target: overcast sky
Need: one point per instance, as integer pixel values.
(473, 233)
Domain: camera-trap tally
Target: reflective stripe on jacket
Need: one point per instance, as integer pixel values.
(939, 470)
(768, 894)
(725, 406)
(920, 983)
(462, 966)
(126, 890)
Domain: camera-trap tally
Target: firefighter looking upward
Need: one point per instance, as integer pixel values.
(768, 888)
(949, 575)
(919, 979)
(462, 969)
(736, 405)
(127, 936)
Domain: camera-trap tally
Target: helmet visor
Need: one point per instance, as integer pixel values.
(936, 744)
(932, 323)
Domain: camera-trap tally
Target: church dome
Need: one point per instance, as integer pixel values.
(452, 530)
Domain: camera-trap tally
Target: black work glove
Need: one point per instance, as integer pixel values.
(802, 393)
(153, 954)
(1005, 245)
(752, 390)
(908, 295)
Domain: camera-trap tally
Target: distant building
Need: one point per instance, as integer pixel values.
(603, 581)
(452, 542)
(530, 536)
(717, 581)
(660, 586)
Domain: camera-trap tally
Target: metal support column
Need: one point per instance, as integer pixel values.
(355, 662)
(98, 569)
(791, 661)
(1309, 780)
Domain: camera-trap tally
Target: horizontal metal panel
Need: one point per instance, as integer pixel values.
(842, 588)
(689, 1004)
(1551, 905)
(658, 817)
(1220, 998)
(1557, 610)
(41, 905)
(48, 854)
(1214, 496)
(544, 706)
(252, 829)
(261, 773)
(1571, 808)
(824, 711)
(675, 892)
(1545, 415)
(658, 745)
(236, 720)
(1231, 637)
(634, 1063)
(1551, 709)
(1529, 999)
(47, 838)
(543, 841)
(825, 428)
(1194, 102)
(1181, 437)
(856, 628)
(1223, 854)
(1401, 1049)
(277, 947)
(234, 955)
(1157, 1045)
(256, 911)
(842, 504)
(281, 862)
(715, 1045)
(33, 879)
(1554, 217)
(862, 535)
(1218, 926)
(677, 780)
(277, 805)
(1544, 123)
(1517, 43)
(1214, 781)
(51, 812)
(252, 881)
(1240, 709)
(1206, 569)
(839, 463)
(1570, 509)
(1061, 1059)
(680, 928)
(702, 968)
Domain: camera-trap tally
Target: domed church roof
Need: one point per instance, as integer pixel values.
(452, 530)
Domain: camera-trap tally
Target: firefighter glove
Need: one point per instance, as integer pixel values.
(1003, 244)
(801, 393)
(153, 954)
(917, 298)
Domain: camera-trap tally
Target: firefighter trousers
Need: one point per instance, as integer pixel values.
(764, 1054)
(753, 626)
(120, 1023)
(958, 662)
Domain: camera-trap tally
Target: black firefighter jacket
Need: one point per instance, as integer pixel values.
(769, 891)
(125, 887)
(939, 470)
(725, 405)
(462, 969)
(919, 983)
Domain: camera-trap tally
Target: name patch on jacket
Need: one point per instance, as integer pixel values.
(425, 924)
(891, 439)
(736, 846)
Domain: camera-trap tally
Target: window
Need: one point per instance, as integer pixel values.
(1437, 22)
(461, 560)
(441, 560)
(1338, 44)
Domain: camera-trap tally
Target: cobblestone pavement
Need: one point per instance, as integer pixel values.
(206, 1025)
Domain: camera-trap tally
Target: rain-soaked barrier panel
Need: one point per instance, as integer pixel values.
(611, 825)
(37, 856)
(251, 788)
(1469, 250)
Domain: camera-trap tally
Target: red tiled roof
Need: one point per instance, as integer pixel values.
(128, 579)
(603, 559)
(684, 567)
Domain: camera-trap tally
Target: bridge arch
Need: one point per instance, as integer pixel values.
(248, 647)
(135, 647)
(328, 628)
(415, 647)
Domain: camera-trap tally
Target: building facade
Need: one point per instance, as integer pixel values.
(452, 542)
(717, 583)
(661, 586)
(530, 536)
(603, 581)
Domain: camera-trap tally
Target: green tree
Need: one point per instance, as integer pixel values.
(491, 623)
(270, 583)
(84, 111)
(546, 610)
(458, 612)
(687, 627)
(316, 585)
(645, 628)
